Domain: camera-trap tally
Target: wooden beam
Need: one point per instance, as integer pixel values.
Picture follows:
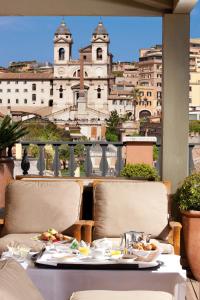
(184, 6)
(158, 4)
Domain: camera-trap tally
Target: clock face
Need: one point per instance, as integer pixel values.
(61, 70)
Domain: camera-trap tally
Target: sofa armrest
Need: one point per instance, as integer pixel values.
(175, 235)
(87, 230)
(1, 224)
(81, 230)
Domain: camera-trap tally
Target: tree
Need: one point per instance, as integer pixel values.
(136, 96)
(112, 127)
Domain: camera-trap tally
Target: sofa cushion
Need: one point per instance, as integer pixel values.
(119, 295)
(15, 284)
(124, 206)
(26, 239)
(35, 206)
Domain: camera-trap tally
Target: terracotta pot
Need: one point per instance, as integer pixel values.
(6, 175)
(191, 233)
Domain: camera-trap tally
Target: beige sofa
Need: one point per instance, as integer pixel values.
(121, 206)
(34, 206)
(119, 295)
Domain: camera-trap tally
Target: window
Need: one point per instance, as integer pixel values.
(99, 93)
(190, 88)
(0, 101)
(8, 101)
(17, 90)
(34, 97)
(42, 101)
(159, 95)
(25, 90)
(0, 82)
(148, 93)
(25, 101)
(1, 90)
(17, 101)
(99, 54)
(25, 82)
(16, 82)
(61, 92)
(141, 93)
(8, 90)
(8, 82)
(33, 87)
(84, 57)
(61, 53)
(159, 84)
(51, 92)
(42, 90)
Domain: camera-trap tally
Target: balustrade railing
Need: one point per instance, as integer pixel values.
(109, 156)
(97, 158)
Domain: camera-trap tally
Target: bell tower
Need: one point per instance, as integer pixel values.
(100, 44)
(62, 49)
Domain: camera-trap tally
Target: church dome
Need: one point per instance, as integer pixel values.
(100, 29)
(62, 29)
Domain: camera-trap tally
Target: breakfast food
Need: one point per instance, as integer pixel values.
(144, 246)
(53, 236)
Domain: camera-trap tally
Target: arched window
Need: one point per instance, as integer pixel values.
(77, 73)
(61, 54)
(144, 114)
(99, 93)
(99, 54)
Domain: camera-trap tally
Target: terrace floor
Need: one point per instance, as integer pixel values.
(193, 290)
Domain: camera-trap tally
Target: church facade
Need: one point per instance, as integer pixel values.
(74, 89)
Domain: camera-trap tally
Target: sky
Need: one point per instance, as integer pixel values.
(31, 38)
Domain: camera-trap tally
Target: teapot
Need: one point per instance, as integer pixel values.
(130, 237)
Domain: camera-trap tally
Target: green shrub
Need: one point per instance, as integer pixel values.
(143, 171)
(111, 137)
(188, 195)
(194, 126)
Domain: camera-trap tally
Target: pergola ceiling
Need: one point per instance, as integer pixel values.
(94, 7)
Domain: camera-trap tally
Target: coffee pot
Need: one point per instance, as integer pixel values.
(130, 237)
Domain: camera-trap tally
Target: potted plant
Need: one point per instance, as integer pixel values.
(140, 171)
(188, 200)
(10, 132)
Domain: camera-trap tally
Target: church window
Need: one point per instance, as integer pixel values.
(34, 97)
(99, 93)
(61, 91)
(33, 87)
(99, 54)
(61, 54)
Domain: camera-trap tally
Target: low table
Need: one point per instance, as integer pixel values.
(56, 284)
